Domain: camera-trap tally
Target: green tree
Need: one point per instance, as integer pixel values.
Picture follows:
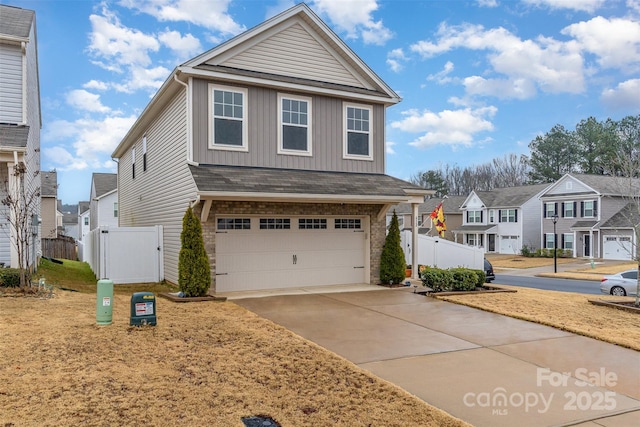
(431, 180)
(552, 155)
(194, 273)
(392, 264)
(628, 133)
(596, 143)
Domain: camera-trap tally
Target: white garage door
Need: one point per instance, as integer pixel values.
(271, 253)
(617, 247)
(508, 244)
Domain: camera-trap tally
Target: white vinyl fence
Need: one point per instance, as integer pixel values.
(125, 254)
(441, 253)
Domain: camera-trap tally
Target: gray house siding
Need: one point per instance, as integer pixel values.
(531, 227)
(161, 194)
(327, 134)
(11, 83)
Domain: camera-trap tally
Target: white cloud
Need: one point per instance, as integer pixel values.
(579, 5)
(626, 96)
(213, 15)
(91, 140)
(96, 85)
(615, 41)
(519, 88)
(550, 65)
(395, 58)
(184, 46)
(143, 78)
(442, 77)
(487, 3)
(355, 18)
(448, 127)
(389, 147)
(86, 101)
(62, 159)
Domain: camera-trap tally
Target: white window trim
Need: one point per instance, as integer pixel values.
(245, 102)
(309, 150)
(345, 135)
(584, 202)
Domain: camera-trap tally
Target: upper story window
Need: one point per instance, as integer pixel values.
(229, 118)
(568, 210)
(508, 215)
(589, 209)
(492, 216)
(550, 209)
(133, 162)
(115, 209)
(144, 153)
(357, 140)
(474, 217)
(86, 220)
(295, 125)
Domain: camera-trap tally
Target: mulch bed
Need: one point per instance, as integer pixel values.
(175, 298)
(482, 290)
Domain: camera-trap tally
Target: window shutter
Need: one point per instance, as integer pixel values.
(555, 209)
(499, 215)
(562, 241)
(595, 208)
(562, 209)
(516, 217)
(581, 209)
(575, 209)
(481, 220)
(467, 217)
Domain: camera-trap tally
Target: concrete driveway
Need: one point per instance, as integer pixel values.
(487, 369)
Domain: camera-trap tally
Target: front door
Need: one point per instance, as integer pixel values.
(491, 243)
(587, 245)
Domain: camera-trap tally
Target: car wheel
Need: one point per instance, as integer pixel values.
(618, 291)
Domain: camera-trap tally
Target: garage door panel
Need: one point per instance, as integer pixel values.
(617, 247)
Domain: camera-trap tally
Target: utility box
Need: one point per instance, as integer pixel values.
(143, 309)
(104, 302)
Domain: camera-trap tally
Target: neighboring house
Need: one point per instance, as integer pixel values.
(20, 119)
(590, 215)
(103, 205)
(277, 139)
(450, 205)
(70, 224)
(502, 220)
(83, 219)
(49, 204)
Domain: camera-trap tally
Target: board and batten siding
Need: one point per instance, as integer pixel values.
(161, 194)
(262, 116)
(11, 83)
(295, 52)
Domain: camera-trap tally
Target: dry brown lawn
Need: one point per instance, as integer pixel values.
(204, 364)
(562, 310)
(517, 261)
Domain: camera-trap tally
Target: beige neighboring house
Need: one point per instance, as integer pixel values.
(451, 206)
(277, 139)
(20, 120)
(49, 205)
(103, 205)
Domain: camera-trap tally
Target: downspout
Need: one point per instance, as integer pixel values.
(187, 89)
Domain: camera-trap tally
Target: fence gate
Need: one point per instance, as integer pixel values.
(125, 254)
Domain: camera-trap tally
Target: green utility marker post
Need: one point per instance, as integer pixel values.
(104, 302)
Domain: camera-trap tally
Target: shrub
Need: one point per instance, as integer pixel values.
(526, 251)
(437, 279)
(194, 273)
(392, 264)
(10, 277)
(481, 276)
(464, 279)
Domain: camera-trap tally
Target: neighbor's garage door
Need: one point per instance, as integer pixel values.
(270, 253)
(617, 247)
(508, 244)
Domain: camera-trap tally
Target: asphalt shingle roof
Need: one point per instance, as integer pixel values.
(104, 183)
(15, 21)
(49, 184)
(450, 205)
(610, 185)
(510, 196)
(83, 207)
(241, 179)
(624, 217)
(13, 136)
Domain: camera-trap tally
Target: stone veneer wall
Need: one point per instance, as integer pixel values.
(377, 231)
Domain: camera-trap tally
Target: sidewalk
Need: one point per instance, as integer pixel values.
(487, 369)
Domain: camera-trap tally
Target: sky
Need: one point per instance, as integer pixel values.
(478, 79)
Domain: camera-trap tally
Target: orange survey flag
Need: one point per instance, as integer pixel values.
(437, 217)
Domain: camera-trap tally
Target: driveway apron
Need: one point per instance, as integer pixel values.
(487, 369)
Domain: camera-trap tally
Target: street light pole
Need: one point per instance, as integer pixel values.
(555, 245)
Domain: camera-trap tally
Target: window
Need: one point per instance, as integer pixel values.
(115, 209)
(508, 215)
(550, 209)
(229, 121)
(567, 241)
(312, 224)
(275, 224)
(491, 216)
(144, 153)
(474, 216)
(295, 125)
(630, 275)
(86, 220)
(472, 239)
(234, 223)
(357, 143)
(568, 210)
(348, 223)
(588, 208)
(133, 162)
(549, 240)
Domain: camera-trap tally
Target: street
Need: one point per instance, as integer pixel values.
(551, 284)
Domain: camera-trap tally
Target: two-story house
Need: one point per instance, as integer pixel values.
(276, 138)
(20, 124)
(589, 216)
(103, 205)
(83, 218)
(502, 220)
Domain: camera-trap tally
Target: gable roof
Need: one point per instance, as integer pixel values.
(49, 184)
(15, 22)
(229, 182)
(623, 218)
(104, 183)
(83, 207)
(599, 184)
(507, 196)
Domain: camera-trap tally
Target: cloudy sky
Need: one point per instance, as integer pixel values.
(479, 79)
